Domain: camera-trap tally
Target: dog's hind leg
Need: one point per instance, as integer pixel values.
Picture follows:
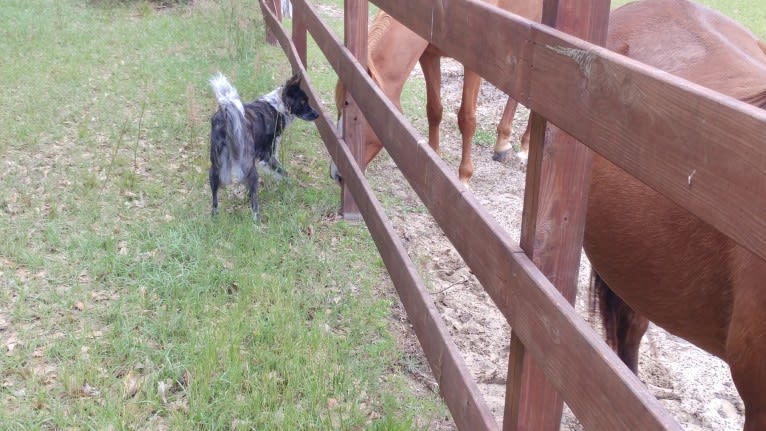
(215, 183)
(252, 188)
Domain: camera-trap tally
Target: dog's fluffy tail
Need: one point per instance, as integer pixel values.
(233, 111)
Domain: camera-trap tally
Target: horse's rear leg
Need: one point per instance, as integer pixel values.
(503, 148)
(746, 339)
(430, 62)
(623, 327)
(466, 120)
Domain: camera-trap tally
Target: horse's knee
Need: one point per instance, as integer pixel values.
(434, 111)
(466, 122)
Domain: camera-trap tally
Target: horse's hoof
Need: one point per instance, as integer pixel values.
(503, 156)
(214, 212)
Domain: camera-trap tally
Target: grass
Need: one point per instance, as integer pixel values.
(748, 13)
(123, 304)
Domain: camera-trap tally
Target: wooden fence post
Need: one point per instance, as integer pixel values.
(276, 7)
(354, 124)
(555, 203)
(300, 36)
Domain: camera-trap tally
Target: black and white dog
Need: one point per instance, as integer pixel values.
(245, 137)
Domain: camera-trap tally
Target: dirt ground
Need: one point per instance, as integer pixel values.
(695, 387)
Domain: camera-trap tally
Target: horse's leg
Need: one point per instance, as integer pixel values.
(745, 346)
(466, 121)
(430, 62)
(503, 148)
(624, 327)
(523, 153)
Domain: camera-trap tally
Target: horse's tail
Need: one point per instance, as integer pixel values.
(233, 112)
(623, 326)
(606, 303)
(340, 90)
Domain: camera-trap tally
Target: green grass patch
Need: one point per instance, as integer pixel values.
(749, 13)
(123, 304)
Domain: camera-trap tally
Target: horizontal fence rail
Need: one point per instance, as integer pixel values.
(638, 117)
(459, 390)
(562, 343)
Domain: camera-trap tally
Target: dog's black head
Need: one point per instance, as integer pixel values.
(296, 101)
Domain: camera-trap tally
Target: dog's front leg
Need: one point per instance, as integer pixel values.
(252, 188)
(276, 168)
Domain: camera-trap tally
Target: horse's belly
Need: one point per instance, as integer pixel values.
(665, 263)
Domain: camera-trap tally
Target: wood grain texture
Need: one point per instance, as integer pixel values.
(564, 345)
(459, 390)
(354, 124)
(655, 126)
(300, 39)
(276, 9)
(553, 222)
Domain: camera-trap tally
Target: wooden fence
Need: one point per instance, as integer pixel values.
(573, 84)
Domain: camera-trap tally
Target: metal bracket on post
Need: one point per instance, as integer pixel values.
(354, 124)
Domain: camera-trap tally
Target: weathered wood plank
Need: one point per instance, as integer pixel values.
(274, 26)
(564, 345)
(354, 124)
(653, 125)
(276, 8)
(553, 223)
(300, 39)
(462, 396)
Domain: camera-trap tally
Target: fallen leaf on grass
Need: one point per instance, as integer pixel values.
(131, 384)
(47, 373)
(162, 391)
(38, 353)
(186, 379)
(84, 277)
(89, 390)
(11, 343)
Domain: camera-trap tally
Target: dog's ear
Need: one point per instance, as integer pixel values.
(294, 80)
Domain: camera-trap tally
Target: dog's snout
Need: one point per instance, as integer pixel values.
(310, 115)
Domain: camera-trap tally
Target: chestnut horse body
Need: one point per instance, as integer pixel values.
(663, 262)
(393, 50)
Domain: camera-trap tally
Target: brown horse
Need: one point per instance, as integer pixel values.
(393, 50)
(663, 263)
